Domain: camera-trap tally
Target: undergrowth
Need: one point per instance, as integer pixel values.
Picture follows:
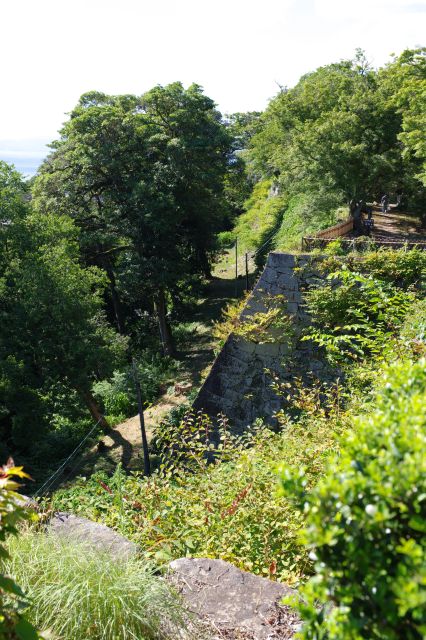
(76, 591)
(228, 509)
(215, 495)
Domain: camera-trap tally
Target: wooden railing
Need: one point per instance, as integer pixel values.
(337, 230)
(314, 242)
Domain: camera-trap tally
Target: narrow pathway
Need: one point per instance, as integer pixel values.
(123, 443)
(397, 226)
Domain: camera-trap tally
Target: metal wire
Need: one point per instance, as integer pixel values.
(50, 481)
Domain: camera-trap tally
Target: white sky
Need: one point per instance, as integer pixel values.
(52, 51)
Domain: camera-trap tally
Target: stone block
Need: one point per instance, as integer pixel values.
(292, 307)
(267, 349)
(287, 282)
(245, 346)
(294, 296)
(235, 603)
(70, 527)
(316, 365)
(277, 260)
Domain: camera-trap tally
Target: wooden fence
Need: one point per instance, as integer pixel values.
(362, 243)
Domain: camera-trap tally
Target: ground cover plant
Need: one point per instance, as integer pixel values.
(13, 599)
(79, 592)
(354, 315)
(228, 509)
(366, 521)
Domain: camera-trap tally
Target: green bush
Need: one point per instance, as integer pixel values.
(354, 315)
(225, 239)
(414, 327)
(226, 510)
(79, 592)
(306, 214)
(262, 214)
(13, 600)
(400, 268)
(366, 522)
(118, 395)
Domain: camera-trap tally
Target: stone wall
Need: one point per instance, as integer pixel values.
(239, 384)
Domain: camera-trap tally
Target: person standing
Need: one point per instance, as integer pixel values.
(385, 203)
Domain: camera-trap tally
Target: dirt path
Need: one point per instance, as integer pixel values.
(398, 227)
(123, 443)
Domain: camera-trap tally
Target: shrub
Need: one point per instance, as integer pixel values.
(80, 592)
(263, 212)
(401, 268)
(118, 394)
(306, 214)
(226, 510)
(274, 325)
(230, 317)
(270, 326)
(225, 239)
(366, 522)
(13, 625)
(354, 315)
(414, 327)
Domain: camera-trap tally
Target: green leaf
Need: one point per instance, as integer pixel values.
(25, 631)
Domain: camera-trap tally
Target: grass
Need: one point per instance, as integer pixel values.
(229, 511)
(78, 592)
(307, 213)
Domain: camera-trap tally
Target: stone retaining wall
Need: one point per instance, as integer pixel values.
(238, 384)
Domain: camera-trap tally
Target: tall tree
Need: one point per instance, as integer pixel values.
(404, 84)
(54, 338)
(143, 179)
(332, 129)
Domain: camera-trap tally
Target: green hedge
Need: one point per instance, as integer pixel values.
(366, 522)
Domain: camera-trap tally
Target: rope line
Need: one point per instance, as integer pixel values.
(49, 482)
(265, 243)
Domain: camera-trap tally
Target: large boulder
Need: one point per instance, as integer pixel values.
(95, 535)
(234, 603)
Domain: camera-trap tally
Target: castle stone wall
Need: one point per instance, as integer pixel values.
(239, 383)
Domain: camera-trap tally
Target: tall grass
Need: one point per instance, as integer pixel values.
(79, 593)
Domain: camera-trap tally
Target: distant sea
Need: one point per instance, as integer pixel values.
(25, 155)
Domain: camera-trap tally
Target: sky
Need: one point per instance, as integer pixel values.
(240, 51)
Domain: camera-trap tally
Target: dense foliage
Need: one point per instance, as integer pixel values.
(225, 510)
(78, 591)
(109, 252)
(345, 132)
(143, 178)
(366, 521)
(55, 341)
(13, 600)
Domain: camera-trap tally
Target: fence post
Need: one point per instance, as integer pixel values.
(247, 274)
(146, 460)
(236, 267)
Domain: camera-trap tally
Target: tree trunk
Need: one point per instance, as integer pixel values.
(204, 263)
(165, 331)
(93, 407)
(106, 264)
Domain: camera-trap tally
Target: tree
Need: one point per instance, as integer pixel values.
(143, 179)
(54, 340)
(332, 130)
(404, 81)
(239, 179)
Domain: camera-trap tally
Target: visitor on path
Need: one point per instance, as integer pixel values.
(385, 203)
(358, 221)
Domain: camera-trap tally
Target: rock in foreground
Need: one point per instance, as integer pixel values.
(236, 604)
(96, 535)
